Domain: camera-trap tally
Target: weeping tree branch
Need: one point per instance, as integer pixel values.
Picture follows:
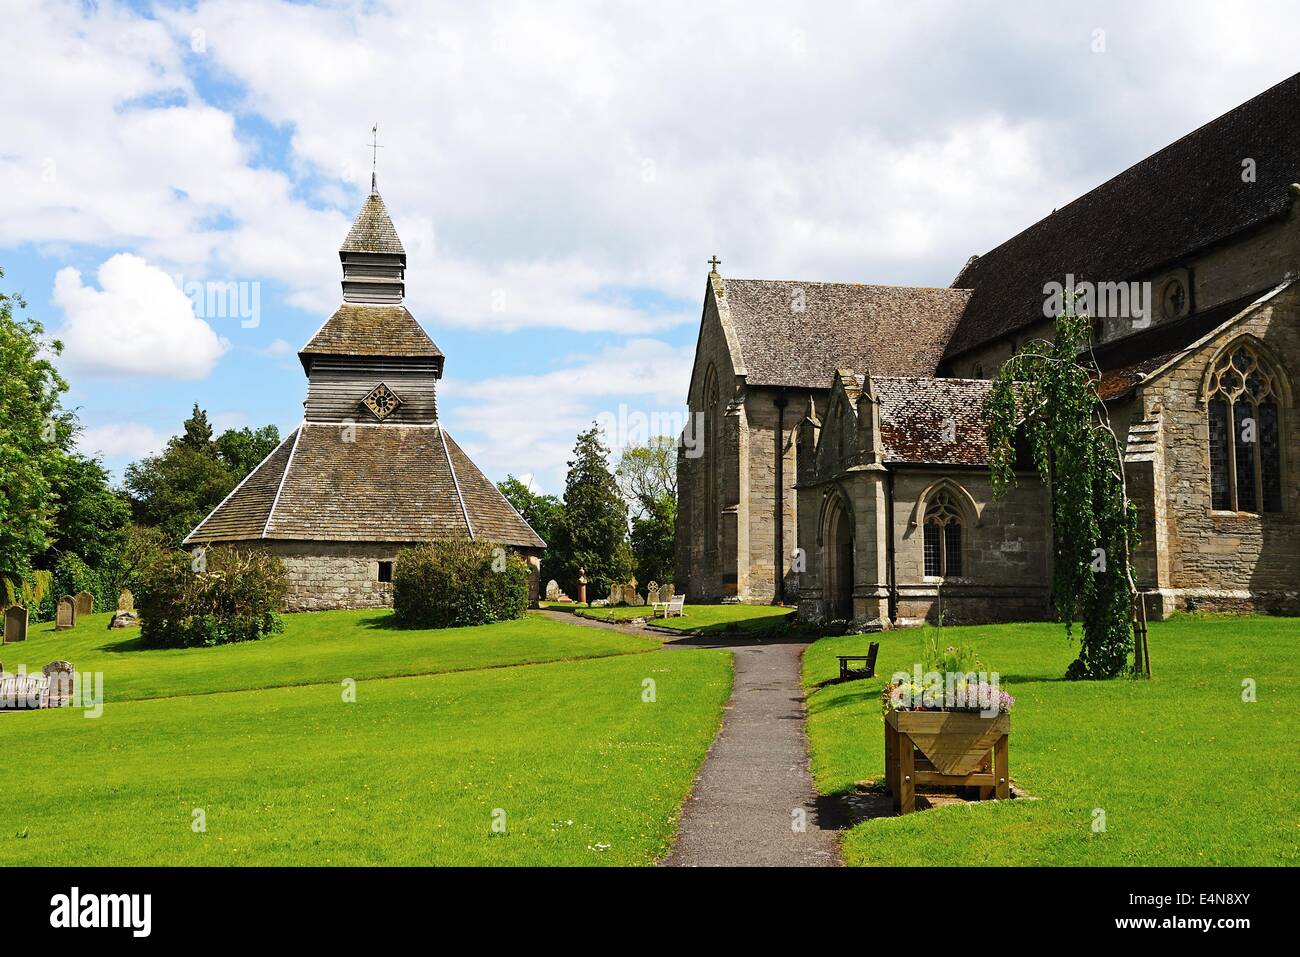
(1047, 393)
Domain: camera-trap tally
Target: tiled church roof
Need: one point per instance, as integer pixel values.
(371, 330)
(1185, 197)
(1127, 360)
(366, 483)
(915, 413)
(373, 231)
(790, 333)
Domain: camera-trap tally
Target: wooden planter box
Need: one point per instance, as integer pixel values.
(952, 748)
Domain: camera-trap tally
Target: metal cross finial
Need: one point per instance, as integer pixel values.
(374, 156)
(715, 262)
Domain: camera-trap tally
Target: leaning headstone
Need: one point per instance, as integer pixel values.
(60, 674)
(85, 603)
(126, 601)
(15, 624)
(65, 615)
(666, 592)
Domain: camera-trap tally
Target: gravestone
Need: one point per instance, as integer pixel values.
(15, 624)
(124, 619)
(126, 601)
(666, 592)
(615, 594)
(552, 590)
(631, 595)
(65, 615)
(652, 592)
(85, 602)
(60, 674)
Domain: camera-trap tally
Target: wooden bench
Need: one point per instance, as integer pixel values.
(868, 670)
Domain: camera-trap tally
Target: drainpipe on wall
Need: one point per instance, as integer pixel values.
(889, 546)
(779, 565)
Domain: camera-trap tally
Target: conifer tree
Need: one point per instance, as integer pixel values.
(591, 533)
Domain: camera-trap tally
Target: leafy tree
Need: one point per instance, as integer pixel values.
(539, 510)
(592, 530)
(1046, 393)
(174, 490)
(33, 431)
(647, 474)
(647, 477)
(243, 450)
(652, 544)
(90, 515)
(136, 550)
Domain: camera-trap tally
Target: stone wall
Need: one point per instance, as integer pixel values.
(734, 560)
(328, 575)
(1006, 549)
(1224, 560)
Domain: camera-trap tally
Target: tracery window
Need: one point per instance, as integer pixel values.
(942, 541)
(1245, 434)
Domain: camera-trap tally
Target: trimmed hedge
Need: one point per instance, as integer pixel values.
(220, 596)
(456, 583)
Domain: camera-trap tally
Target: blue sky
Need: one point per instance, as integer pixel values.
(558, 174)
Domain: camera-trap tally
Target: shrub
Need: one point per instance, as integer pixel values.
(72, 575)
(456, 583)
(229, 595)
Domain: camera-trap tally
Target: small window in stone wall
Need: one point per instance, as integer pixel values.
(942, 538)
(385, 571)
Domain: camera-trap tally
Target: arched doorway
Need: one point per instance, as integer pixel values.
(839, 563)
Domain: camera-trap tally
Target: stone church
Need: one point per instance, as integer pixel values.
(370, 469)
(845, 461)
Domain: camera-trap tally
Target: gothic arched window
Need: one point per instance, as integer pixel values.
(1245, 434)
(942, 542)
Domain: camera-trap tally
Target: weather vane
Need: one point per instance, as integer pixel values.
(374, 156)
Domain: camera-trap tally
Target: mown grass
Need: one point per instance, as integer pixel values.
(415, 771)
(1184, 771)
(705, 618)
(315, 647)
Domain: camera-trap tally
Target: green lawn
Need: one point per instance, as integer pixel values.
(1185, 772)
(411, 772)
(707, 618)
(317, 647)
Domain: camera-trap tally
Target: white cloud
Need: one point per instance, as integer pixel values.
(544, 163)
(122, 442)
(137, 323)
(534, 419)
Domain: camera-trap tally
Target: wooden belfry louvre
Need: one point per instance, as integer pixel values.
(371, 468)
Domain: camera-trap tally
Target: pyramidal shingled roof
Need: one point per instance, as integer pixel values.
(394, 484)
(373, 232)
(362, 329)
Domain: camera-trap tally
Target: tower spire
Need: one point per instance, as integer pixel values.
(374, 158)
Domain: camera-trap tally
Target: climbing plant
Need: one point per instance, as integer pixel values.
(1047, 393)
